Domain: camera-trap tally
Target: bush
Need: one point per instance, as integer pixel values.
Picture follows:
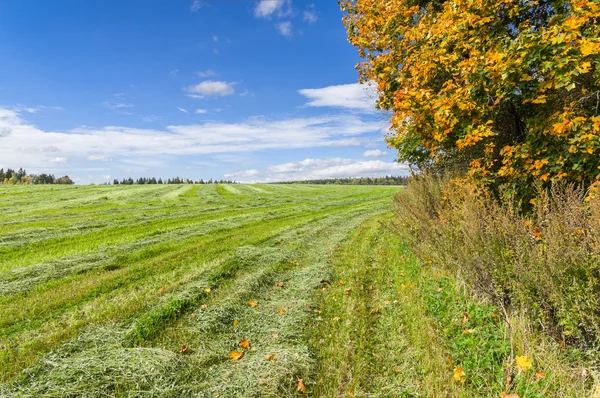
(546, 263)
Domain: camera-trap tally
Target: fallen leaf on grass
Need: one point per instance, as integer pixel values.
(301, 386)
(207, 290)
(204, 306)
(336, 318)
(252, 304)
(236, 355)
(523, 362)
(235, 323)
(347, 291)
(281, 311)
(468, 331)
(270, 357)
(540, 375)
(341, 282)
(351, 394)
(317, 311)
(439, 290)
(459, 374)
(244, 344)
(279, 284)
(183, 349)
(505, 395)
(275, 335)
(465, 318)
(163, 289)
(397, 369)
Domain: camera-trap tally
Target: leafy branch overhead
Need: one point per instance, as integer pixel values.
(509, 90)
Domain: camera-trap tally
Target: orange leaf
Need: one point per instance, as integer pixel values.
(183, 349)
(540, 375)
(252, 304)
(236, 355)
(235, 323)
(505, 395)
(279, 284)
(270, 357)
(204, 306)
(301, 386)
(281, 311)
(244, 344)
(350, 394)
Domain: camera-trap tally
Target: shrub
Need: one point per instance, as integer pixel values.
(546, 263)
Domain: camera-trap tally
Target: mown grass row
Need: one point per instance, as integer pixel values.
(138, 294)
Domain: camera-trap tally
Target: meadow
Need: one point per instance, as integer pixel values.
(250, 291)
(134, 290)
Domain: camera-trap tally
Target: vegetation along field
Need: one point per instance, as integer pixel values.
(244, 290)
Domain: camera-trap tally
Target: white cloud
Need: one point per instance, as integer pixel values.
(182, 110)
(196, 5)
(200, 111)
(59, 159)
(174, 72)
(36, 109)
(266, 8)
(243, 174)
(215, 38)
(285, 28)
(353, 96)
(211, 88)
(151, 118)
(310, 14)
(310, 169)
(24, 144)
(206, 73)
(375, 153)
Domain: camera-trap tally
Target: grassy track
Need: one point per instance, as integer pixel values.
(100, 286)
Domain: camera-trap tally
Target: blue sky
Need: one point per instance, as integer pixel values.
(248, 90)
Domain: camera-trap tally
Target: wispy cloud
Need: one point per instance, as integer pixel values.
(22, 143)
(37, 108)
(310, 14)
(309, 169)
(196, 5)
(353, 96)
(206, 73)
(285, 28)
(182, 110)
(200, 111)
(211, 88)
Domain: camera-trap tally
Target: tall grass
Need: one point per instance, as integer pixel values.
(544, 264)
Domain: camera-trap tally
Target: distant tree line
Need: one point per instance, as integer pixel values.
(12, 177)
(387, 180)
(176, 180)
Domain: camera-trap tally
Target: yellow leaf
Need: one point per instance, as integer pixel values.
(270, 357)
(301, 386)
(350, 394)
(235, 323)
(252, 304)
(523, 362)
(505, 395)
(236, 355)
(207, 290)
(468, 331)
(281, 311)
(244, 344)
(279, 284)
(459, 374)
(204, 306)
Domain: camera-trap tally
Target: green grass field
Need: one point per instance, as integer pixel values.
(101, 286)
(145, 291)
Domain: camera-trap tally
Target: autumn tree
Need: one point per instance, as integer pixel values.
(507, 89)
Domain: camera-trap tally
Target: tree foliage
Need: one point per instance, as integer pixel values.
(508, 89)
